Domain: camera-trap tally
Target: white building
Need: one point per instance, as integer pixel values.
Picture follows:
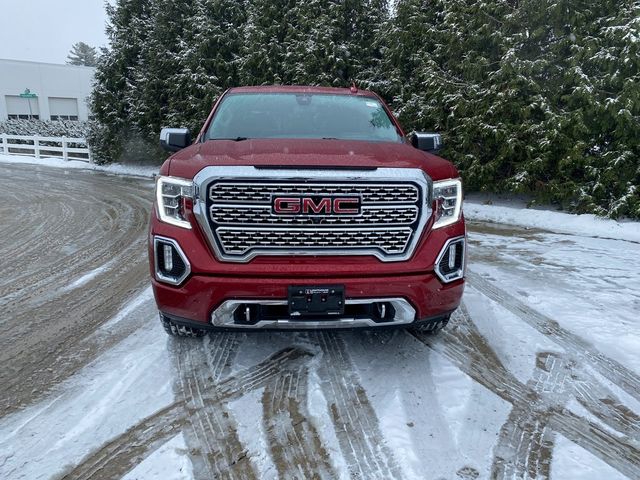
(44, 91)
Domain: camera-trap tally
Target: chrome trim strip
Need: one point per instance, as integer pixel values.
(159, 275)
(244, 173)
(413, 209)
(223, 316)
(298, 185)
(458, 274)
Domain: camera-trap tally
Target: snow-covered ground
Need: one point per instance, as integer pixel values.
(537, 376)
(512, 213)
(115, 168)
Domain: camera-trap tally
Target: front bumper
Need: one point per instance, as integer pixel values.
(211, 301)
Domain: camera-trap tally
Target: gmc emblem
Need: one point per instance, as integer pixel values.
(315, 205)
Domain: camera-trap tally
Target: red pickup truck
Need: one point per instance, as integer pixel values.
(305, 208)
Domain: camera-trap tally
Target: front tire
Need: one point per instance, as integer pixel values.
(176, 330)
(432, 327)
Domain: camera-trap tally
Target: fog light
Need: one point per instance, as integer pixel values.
(171, 264)
(168, 257)
(452, 255)
(450, 262)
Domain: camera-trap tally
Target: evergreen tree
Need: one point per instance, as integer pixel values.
(313, 51)
(317, 42)
(82, 54)
(362, 22)
(209, 61)
(161, 61)
(593, 93)
(533, 96)
(570, 67)
(113, 131)
(440, 61)
(268, 27)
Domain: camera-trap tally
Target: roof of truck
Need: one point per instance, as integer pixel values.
(301, 89)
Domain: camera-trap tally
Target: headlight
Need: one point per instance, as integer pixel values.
(171, 194)
(448, 198)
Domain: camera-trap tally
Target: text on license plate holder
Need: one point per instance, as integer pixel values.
(314, 300)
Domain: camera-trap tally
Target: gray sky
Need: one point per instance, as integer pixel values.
(44, 30)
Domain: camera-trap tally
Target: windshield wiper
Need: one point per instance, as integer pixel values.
(233, 139)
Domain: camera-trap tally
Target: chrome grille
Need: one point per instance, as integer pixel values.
(236, 212)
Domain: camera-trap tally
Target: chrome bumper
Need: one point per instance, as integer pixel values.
(223, 316)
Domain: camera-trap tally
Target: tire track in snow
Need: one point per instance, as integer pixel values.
(128, 449)
(463, 344)
(607, 367)
(293, 440)
(605, 406)
(211, 434)
(588, 391)
(355, 422)
(525, 444)
(619, 452)
(521, 438)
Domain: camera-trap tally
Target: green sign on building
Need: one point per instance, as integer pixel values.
(27, 94)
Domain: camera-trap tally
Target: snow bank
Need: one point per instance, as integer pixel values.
(115, 168)
(584, 225)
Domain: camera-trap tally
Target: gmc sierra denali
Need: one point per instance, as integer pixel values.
(305, 208)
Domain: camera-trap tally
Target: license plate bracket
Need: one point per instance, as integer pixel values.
(316, 300)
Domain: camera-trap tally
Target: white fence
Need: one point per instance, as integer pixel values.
(65, 148)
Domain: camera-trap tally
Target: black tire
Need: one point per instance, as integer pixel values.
(430, 328)
(176, 330)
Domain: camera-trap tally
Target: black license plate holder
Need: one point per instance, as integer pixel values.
(316, 300)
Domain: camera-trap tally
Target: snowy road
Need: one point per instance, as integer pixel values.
(537, 376)
(72, 249)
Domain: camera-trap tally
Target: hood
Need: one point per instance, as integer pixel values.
(307, 153)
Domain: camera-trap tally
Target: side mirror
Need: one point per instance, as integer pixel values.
(426, 141)
(174, 139)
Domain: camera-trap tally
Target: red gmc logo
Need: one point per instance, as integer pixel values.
(315, 205)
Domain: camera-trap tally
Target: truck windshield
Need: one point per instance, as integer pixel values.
(301, 115)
